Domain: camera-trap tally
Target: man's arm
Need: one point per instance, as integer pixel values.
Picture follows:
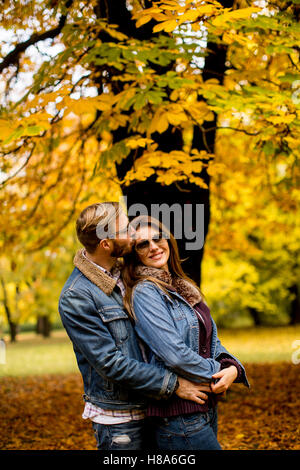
(192, 391)
(92, 337)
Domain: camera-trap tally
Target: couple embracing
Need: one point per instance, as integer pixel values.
(146, 345)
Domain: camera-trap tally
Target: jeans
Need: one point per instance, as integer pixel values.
(196, 431)
(125, 436)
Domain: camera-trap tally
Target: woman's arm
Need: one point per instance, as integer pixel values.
(224, 379)
(226, 359)
(155, 326)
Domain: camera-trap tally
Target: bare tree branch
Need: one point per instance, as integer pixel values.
(42, 243)
(3, 183)
(13, 57)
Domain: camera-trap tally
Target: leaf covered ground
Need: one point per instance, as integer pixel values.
(44, 412)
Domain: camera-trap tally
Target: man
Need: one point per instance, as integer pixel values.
(117, 380)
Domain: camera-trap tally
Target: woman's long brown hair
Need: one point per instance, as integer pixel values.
(131, 278)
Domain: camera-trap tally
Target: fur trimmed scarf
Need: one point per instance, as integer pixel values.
(183, 287)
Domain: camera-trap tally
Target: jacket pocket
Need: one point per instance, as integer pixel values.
(175, 308)
(116, 321)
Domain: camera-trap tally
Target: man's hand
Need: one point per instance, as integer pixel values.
(192, 391)
(226, 377)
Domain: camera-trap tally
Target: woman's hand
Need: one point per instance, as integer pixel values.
(226, 377)
(192, 391)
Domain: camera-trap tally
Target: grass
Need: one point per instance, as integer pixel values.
(261, 344)
(34, 355)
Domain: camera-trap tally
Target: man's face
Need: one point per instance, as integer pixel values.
(123, 241)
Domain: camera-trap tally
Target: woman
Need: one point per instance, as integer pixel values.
(174, 322)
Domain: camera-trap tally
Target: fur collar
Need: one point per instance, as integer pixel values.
(94, 274)
(183, 287)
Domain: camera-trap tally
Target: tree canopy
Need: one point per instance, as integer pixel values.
(83, 88)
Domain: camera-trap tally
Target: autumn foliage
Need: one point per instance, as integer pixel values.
(45, 412)
(83, 89)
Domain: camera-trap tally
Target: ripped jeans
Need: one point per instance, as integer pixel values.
(125, 436)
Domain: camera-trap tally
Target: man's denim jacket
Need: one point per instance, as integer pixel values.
(107, 350)
(169, 326)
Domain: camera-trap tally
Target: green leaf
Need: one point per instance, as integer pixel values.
(14, 136)
(140, 101)
(289, 77)
(269, 148)
(33, 130)
(155, 97)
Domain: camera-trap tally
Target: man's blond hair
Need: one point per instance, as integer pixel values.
(94, 220)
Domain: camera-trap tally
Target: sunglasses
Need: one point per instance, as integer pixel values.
(144, 245)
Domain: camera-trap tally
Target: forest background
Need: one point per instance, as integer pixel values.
(169, 101)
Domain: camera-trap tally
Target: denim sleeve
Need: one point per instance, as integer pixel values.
(226, 362)
(91, 336)
(222, 354)
(156, 327)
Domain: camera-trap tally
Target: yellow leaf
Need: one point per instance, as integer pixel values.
(106, 136)
(167, 26)
(239, 14)
(162, 124)
(161, 17)
(210, 116)
(5, 129)
(135, 143)
(198, 181)
(281, 119)
(176, 118)
(159, 123)
(154, 161)
(215, 168)
(174, 95)
(207, 10)
(143, 20)
(190, 15)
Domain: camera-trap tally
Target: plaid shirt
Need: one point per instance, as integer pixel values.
(96, 414)
(115, 274)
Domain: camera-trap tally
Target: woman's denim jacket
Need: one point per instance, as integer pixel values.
(107, 350)
(170, 327)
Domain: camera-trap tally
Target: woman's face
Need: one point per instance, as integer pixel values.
(152, 250)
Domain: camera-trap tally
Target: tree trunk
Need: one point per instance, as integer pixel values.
(295, 305)
(43, 326)
(13, 330)
(13, 326)
(255, 315)
(150, 192)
